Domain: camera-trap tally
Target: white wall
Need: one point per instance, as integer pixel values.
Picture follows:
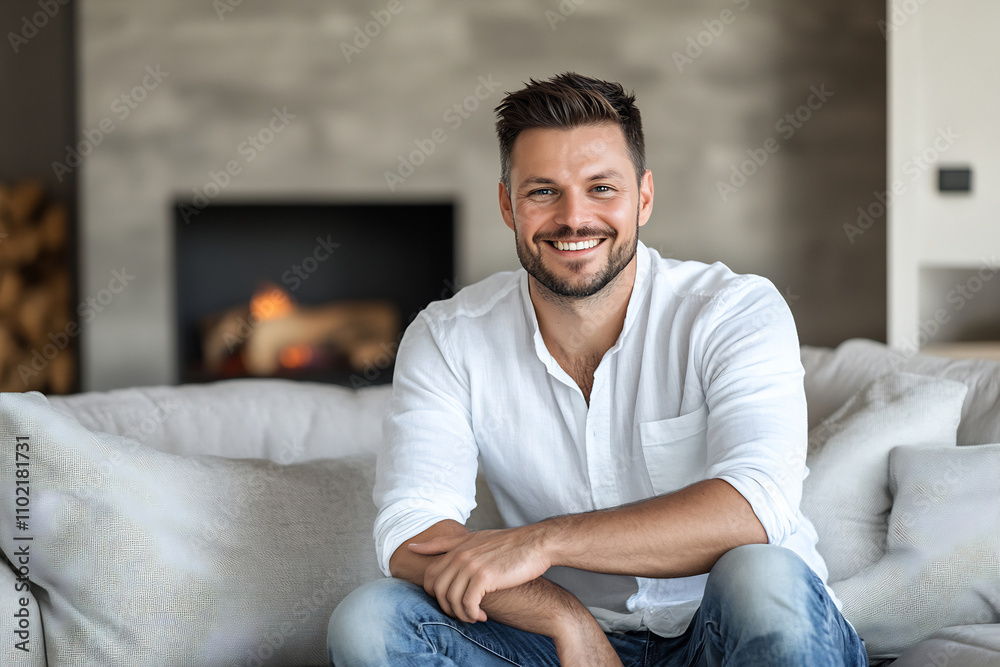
(354, 118)
(944, 78)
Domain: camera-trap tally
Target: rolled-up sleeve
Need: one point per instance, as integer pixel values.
(757, 427)
(427, 466)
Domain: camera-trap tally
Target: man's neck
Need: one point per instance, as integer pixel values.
(579, 329)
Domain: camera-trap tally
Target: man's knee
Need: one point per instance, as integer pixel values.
(364, 624)
(749, 579)
(765, 601)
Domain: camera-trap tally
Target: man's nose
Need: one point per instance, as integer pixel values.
(575, 210)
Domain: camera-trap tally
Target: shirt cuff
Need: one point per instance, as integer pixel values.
(404, 524)
(768, 505)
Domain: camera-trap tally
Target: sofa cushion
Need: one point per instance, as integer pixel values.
(846, 495)
(834, 375)
(943, 550)
(958, 646)
(141, 557)
(280, 420)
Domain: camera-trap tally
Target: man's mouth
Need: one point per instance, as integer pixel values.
(575, 246)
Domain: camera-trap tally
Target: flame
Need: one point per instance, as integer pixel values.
(270, 303)
(296, 356)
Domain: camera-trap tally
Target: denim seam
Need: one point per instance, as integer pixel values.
(714, 636)
(469, 638)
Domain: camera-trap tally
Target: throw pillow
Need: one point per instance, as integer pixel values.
(846, 495)
(942, 566)
(958, 646)
(141, 557)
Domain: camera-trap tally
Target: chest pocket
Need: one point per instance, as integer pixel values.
(676, 450)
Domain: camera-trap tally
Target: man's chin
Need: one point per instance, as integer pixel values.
(571, 289)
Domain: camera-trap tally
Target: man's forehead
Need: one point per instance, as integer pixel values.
(595, 144)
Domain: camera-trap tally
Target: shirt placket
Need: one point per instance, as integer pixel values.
(600, 461)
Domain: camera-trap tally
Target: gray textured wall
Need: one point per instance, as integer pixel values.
(227, 71)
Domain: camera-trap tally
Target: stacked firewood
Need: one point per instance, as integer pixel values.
(38, 337)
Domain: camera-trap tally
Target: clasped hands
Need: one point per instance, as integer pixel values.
(471, 566)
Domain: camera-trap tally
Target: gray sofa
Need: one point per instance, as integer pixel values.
(220, 524)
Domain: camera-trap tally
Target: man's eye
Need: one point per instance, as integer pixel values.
(603, 188)
(541, 191)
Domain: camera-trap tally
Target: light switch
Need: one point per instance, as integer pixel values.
(955, 179)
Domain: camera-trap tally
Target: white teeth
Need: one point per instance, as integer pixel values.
(582, 245)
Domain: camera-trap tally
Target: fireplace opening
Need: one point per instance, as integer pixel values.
(308, 291)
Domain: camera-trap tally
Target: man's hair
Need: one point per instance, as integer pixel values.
(566, 101)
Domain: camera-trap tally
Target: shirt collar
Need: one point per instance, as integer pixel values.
(639, 288)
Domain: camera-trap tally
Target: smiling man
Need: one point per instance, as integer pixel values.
(641, 423)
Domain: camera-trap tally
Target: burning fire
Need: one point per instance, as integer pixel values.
(296, 356)
(270, 302)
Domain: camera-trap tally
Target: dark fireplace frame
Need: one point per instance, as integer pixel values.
(222, 253)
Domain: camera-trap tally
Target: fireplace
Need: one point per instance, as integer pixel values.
(308, 291)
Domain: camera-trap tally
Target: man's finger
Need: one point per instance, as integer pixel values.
(430, 548)
(471, 600)
(456, 597)
(431, 585)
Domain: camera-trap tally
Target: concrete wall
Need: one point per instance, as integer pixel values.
(358, 106)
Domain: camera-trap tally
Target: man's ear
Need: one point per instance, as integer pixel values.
(506, 209)
(645, 197)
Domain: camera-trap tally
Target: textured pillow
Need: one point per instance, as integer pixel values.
(145, 558)
(834, 375)
(846, 495)
(942, 565)
(21, 642)
(960, 646)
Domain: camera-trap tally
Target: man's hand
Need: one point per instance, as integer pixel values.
(473, 565)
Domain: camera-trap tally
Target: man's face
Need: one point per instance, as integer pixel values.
(575, 186)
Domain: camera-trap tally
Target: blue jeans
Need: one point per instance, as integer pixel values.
(762, 606)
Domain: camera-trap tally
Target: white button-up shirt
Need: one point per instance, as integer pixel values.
(704, 381)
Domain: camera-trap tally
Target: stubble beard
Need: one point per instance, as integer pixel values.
(566, 290)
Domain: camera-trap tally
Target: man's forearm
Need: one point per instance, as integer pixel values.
(538, 606)
(676, 535)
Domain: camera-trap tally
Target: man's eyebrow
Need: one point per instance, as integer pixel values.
(609, 174)
(537, 180)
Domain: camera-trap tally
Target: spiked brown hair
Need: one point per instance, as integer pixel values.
(566, 101)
